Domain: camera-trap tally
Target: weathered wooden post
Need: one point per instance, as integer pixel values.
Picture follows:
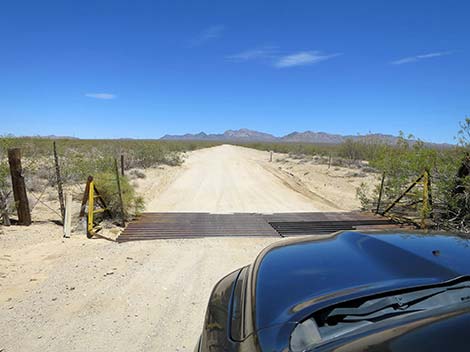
(426, 209)
(118, 181)
(85, 196)
(59, 183)
(380, 193)
(19, 187)
(431, 212)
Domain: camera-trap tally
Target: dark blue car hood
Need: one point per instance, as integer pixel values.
(291, 280)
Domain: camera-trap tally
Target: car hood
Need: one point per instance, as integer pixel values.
(292, 280)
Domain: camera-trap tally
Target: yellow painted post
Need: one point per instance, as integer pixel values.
(91, 208)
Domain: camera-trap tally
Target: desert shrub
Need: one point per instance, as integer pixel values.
(107, 186)
(463, 135)
(294, 149)
(338, 162)
(368, 169)
(136, 173)
(35, 184)
(76, 167)
(352, 150)
(406, 161)
(455, 192)
(363, 194)
(80, 158)
(6, 202)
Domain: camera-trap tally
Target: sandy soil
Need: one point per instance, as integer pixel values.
(333, 185)
(228, 179)
(95, 295)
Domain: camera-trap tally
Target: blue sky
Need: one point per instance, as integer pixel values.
(142, 69)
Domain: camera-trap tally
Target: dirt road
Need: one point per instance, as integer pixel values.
(95, 295)
(231, 179)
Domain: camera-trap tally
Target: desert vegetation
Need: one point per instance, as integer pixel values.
(402, 163)
(80, 158)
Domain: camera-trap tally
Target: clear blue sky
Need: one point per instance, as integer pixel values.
(142, 69)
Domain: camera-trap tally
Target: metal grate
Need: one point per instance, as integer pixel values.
(151, 226)
(304, 228)
(192, 225)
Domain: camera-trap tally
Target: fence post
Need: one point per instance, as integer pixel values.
(85, 196)
(68, 215)
(402, 195)
(91, 209)
(380, 193)
(118, 181)
(122, 164)
(19, 187)
(430, 202)
(59, 183)
(425, 210)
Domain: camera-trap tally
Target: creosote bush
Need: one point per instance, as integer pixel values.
(106, 184)
(80, 158)
(402, 160)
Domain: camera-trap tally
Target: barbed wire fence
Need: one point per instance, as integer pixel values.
(46, 180)
(429, 200)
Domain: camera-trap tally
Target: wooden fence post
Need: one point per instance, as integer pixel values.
(85, 196)
(429, 186)
(19, 187)
(426, 209)
(380, 193)
(59, 183)
(271, 157)
(118, 181)
(122, 164)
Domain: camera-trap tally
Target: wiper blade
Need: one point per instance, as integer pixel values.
(400, 302)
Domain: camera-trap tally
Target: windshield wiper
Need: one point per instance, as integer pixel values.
(398, 304)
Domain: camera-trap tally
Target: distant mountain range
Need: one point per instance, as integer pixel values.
(246, 135)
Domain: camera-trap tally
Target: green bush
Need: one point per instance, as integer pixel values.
(106, 184)
(80, 158)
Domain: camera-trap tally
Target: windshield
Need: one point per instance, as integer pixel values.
(341, 319)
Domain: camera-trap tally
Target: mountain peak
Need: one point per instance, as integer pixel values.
(247, 135)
